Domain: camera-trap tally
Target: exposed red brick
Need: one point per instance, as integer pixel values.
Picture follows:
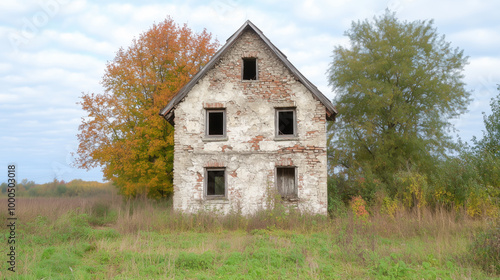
(255, 142)
(226, 147)
(213, 105)
(214, 163)
(285, 162)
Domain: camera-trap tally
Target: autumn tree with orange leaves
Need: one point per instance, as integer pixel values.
(123, 132)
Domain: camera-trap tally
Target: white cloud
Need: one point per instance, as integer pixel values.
(66, 61)
(477, 40)
(54, 76)
(73, 7)
(79, 42)
(482, 72)
(67, 54)
(8, 98)
(13, 6)
(5, 67)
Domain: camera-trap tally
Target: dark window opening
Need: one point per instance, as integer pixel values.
(216, 185)
(285, 182)
(215, 123)
(286, 122)
(249, 69)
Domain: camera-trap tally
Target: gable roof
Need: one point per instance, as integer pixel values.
(167, 112)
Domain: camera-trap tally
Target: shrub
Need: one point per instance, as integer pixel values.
(358, 206)
(469, 180)
(101, 214)
(340, 187)
(72, 226)
(192, 261)
(392, 268)
(413, 188)
(485, 250)
(336, 207)
(389, 206)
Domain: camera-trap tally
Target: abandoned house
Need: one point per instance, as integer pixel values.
(247, 125)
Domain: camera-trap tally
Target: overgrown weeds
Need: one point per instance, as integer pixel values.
(485, 249)
(147, 239)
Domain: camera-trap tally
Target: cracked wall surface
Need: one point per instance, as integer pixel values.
(251, 152)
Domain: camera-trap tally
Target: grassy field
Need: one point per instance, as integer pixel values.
(105, 238)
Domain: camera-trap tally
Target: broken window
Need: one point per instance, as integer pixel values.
(249, 69)
(285, 182)
(285, 122)
(216, 123)
(215, 183)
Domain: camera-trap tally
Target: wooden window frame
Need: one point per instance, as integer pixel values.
(295, 196)
(276, 123)
(205, 188)
(207, 122)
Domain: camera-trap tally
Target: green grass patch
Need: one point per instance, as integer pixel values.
(71, 246)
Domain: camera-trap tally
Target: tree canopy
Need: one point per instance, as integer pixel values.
(123, 132)
(397, 85)
(491, 136)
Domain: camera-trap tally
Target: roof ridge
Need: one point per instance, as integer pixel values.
(167, 112)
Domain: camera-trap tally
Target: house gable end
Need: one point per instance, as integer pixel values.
(168, 111)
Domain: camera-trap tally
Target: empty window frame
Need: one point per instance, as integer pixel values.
(286, 182)
(286, 122)
(249, 69)
(215, 183)
(216, 123)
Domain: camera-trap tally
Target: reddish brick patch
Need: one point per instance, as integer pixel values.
(214, 163)
(255, 142)
(297, 148)
(213, 105)
(226, 147)
(200, 178)
(285, 162)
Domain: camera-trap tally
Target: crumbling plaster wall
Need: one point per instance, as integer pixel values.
(251, 151)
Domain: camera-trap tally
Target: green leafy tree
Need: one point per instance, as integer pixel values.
(4, 187)
(397, 86)
(27, 184)
(491, 136)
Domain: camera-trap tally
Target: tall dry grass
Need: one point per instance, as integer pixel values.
(146, 215)
(413, 237)
(435, 222)
(28, 208)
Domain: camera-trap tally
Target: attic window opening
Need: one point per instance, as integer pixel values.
(286, 122)
(216, 123)
(286, 183)
(249, 68)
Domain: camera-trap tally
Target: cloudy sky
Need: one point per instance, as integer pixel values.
(53, 50)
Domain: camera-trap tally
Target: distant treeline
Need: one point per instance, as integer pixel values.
(61, 188)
